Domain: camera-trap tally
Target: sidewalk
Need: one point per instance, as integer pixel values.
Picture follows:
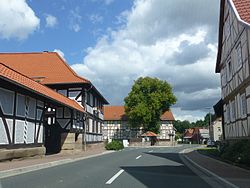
(17, 166)
(235, 175)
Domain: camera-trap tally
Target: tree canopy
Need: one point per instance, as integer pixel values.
(181, 126)
(147, 100)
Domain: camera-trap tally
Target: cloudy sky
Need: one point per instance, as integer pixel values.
(113, 42)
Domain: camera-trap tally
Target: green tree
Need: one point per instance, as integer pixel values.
(146, 102)
(181, 126)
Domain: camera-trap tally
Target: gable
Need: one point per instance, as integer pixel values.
(234, 17)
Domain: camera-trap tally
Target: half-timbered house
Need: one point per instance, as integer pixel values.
(49, 69)
(28, 115)
(233, 66)
(116, 125)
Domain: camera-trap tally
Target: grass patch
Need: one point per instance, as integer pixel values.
(214, 152)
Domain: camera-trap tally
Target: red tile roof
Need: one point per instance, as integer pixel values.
(243, 9)
(149, 134)
(189, 133)
(114, 113)
(167, 115)
(14, 77)
(118, 113)
(47, 67)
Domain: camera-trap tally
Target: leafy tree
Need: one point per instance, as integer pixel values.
(181, 126)
(146, 102)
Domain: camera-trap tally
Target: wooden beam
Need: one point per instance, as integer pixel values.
(5, 125)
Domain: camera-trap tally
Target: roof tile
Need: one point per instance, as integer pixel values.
(27, 83)
(118, 113)
(243, 9)
(52, 68)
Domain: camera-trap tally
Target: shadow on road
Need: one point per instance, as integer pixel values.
(167, 175)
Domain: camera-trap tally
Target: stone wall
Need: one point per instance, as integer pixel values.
(9, 154)
(71, 141)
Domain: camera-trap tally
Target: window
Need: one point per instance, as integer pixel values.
(63, 92)
(223, 77)
(88, 98)
(243, 105)
(229, 70)
(239, 55)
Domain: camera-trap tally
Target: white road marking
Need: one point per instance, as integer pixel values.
(114, 177)
(138, 157)
(150, 151)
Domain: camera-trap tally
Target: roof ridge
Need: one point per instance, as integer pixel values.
(14, 53)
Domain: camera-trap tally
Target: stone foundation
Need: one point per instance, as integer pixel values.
(69, 141)
(9, 154)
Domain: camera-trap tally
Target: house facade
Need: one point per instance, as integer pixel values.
(116, 125)
(196, 135)
(27, 111)
(51, 71)
(233, 66)
(216, 130)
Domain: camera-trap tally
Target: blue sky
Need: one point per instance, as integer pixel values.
(94, 17)
(113, 42)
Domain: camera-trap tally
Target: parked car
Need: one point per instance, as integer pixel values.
(211, 143)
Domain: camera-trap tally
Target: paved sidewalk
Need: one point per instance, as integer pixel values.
(235, 175)
(17, 166)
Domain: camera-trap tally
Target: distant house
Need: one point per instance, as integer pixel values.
(63, 129)
(233, 65)
(116, 125)
(196, 135)
(216, 130)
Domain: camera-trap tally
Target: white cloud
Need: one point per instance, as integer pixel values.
(75, 20)
(51, 21)
(151, 43)
(59, 53)
(17, 19)
(95, 18)
(189, 115)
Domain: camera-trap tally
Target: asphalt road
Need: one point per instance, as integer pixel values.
(132, 167)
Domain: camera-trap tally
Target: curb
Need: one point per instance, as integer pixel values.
(21, 170)
(211, 178)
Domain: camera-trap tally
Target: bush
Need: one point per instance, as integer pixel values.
(237, 152)
(114, 145)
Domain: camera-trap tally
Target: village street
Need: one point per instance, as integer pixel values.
(132, 167)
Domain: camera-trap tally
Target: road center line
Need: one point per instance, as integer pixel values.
(150, 151)
(114, 177)
(138, 157)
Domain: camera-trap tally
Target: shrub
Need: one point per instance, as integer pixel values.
(237, 152)
(114, 145)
